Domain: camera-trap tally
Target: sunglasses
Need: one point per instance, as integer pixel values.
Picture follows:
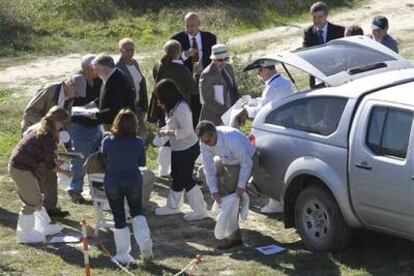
(222, 59)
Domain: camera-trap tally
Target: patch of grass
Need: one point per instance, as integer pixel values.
(56, 27)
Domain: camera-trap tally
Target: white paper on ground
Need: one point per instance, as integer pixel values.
(270, 249)
(66, 239)
(218, 94)
(82, 111)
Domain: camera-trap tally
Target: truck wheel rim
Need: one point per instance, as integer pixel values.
(316, 220)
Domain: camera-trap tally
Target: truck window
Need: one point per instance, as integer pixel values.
(320, 115)
(388, 131)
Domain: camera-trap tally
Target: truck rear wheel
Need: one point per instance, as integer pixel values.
(319, 221)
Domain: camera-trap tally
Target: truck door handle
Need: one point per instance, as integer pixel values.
(363, 165)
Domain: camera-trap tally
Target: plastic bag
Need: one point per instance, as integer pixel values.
(228, 214)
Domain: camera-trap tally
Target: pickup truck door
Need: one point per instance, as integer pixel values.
(380, 167)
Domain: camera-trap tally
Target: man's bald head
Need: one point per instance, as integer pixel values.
(192, 23)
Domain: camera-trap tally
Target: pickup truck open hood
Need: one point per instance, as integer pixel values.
(340, 60)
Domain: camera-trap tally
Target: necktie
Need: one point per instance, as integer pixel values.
(196, 57)
(320, 37)
(229, 83)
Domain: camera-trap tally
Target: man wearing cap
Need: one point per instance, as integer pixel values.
(218, 89)
(276, 88)
(86, 133)
(321, 31)
(379, 33)
(196, 51)
(61, 94)
(116, 91)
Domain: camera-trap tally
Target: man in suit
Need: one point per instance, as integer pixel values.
(61, 94)
(129, 66)
(116, 92)
(321, 31)
(196, 50)
(217, 86)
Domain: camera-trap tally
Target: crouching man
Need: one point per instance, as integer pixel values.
(228, 158)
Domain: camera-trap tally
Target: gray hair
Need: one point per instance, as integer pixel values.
(192, 15)
(319, 6)
(87, 60)
(205, 127)
(104, 60)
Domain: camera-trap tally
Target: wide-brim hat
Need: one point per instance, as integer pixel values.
(260, 63)
(219, 51)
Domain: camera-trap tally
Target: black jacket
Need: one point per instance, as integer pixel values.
(207, 40)
(142, 103)
(310, 35)
(116, 94)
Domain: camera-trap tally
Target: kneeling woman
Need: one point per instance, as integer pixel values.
(185, 150)
(124, 153)
(38, 145)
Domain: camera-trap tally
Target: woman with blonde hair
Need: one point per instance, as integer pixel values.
(124, 153)
(170, 67)
(38, 145)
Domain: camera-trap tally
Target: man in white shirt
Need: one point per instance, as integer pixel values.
(277, 87)
(228, 159)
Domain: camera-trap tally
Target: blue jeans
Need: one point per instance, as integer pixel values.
(116, 195)
(86, 140)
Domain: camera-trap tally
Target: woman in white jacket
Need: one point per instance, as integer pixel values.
(185, 150)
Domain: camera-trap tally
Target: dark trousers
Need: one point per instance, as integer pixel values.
(195, 109)
(48, 185)
(182, 166)
(116, 196)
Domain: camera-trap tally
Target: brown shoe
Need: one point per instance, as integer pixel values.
(229, 243)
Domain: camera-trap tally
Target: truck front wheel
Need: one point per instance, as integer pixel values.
(319, 221)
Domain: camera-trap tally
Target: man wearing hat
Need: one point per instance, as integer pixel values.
(61, 94)
(276, 88)
(379, 33)
(218, 89)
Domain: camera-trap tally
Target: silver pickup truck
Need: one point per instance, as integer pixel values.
(341, 157)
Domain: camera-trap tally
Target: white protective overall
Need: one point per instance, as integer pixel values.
(196, 201)
(164, 161)
(142, 236)
(174, 203)
(123, 245)
(229, 210)
(26, 232)
(42, 223)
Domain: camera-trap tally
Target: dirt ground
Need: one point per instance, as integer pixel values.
(176, 241)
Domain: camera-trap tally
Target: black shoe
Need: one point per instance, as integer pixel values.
(77, 198)
(56, 212)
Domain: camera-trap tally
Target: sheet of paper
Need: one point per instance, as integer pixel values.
(82, 111)
(70, 155)
(218, 94)
(66, 239)
(270, 249)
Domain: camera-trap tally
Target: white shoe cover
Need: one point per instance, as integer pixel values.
(142, 236)
(196, 201)
(123, 245)
(273, 206)
(164, 161)
(173, 205)
(25, 232)
(42, 223)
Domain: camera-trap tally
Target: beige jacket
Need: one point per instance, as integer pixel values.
(45, 98)
(212, 109)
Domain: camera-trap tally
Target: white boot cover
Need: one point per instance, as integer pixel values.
(174, 204)
(25, 232)
(42, 223)
(164, 161)
(273, 206)
(143, 237)
(196, 201)
(123, 245)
